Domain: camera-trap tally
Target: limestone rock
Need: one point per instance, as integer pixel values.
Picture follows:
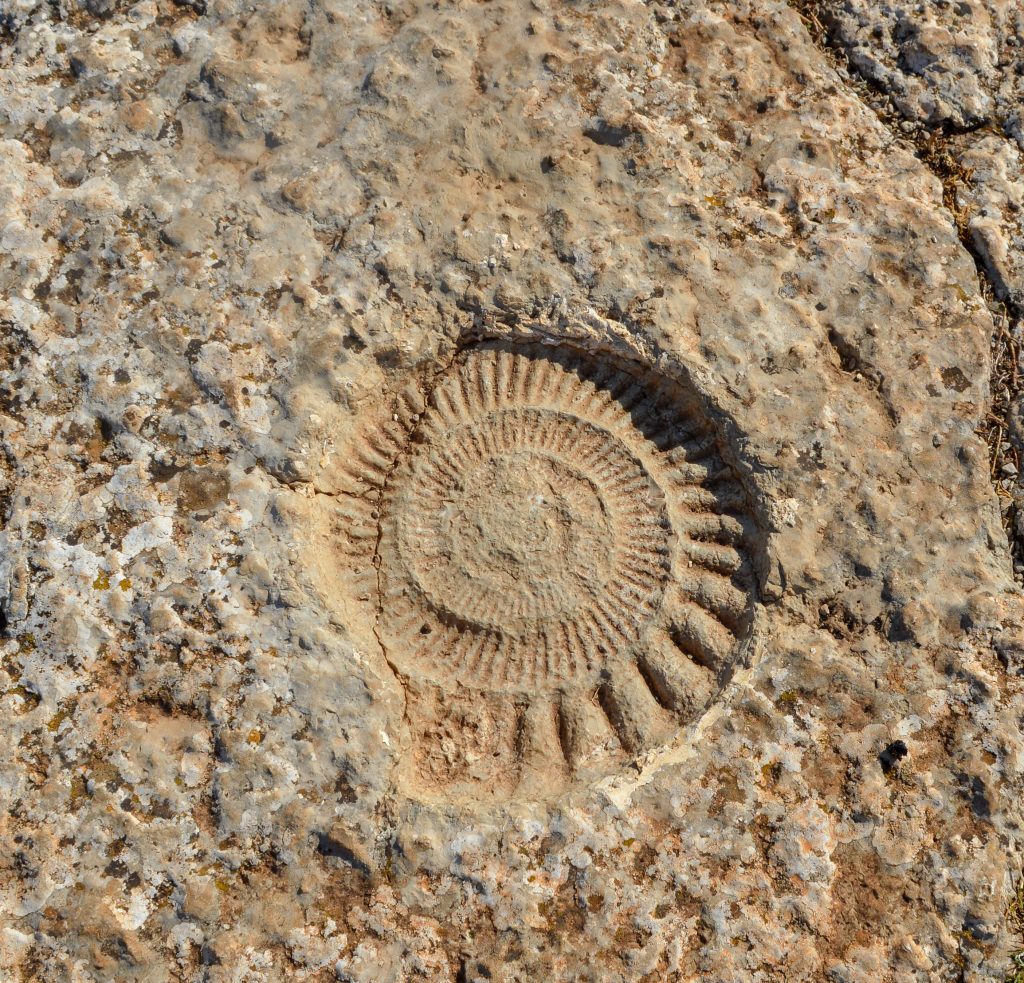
(957, 69)
(622, 348)
(943, 62)
(996, 200)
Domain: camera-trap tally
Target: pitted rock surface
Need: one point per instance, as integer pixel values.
(954, 74)
(723, 684)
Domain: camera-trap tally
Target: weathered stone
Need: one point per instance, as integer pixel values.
(957, 69)
(253, 258)
(996, 200)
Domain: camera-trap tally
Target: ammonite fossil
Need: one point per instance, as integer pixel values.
(557, 540)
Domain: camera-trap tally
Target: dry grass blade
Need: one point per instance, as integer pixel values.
(1015, 917)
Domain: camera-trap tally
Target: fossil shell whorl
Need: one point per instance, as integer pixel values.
(560, 534)
(519, 545)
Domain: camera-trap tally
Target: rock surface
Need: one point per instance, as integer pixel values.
(244, 246)
(957, 71)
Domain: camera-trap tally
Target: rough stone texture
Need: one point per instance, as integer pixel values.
(955, 68)
(954, 64)
(232, 235)
(996, 224)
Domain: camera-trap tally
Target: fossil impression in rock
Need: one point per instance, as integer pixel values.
(557, 558)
